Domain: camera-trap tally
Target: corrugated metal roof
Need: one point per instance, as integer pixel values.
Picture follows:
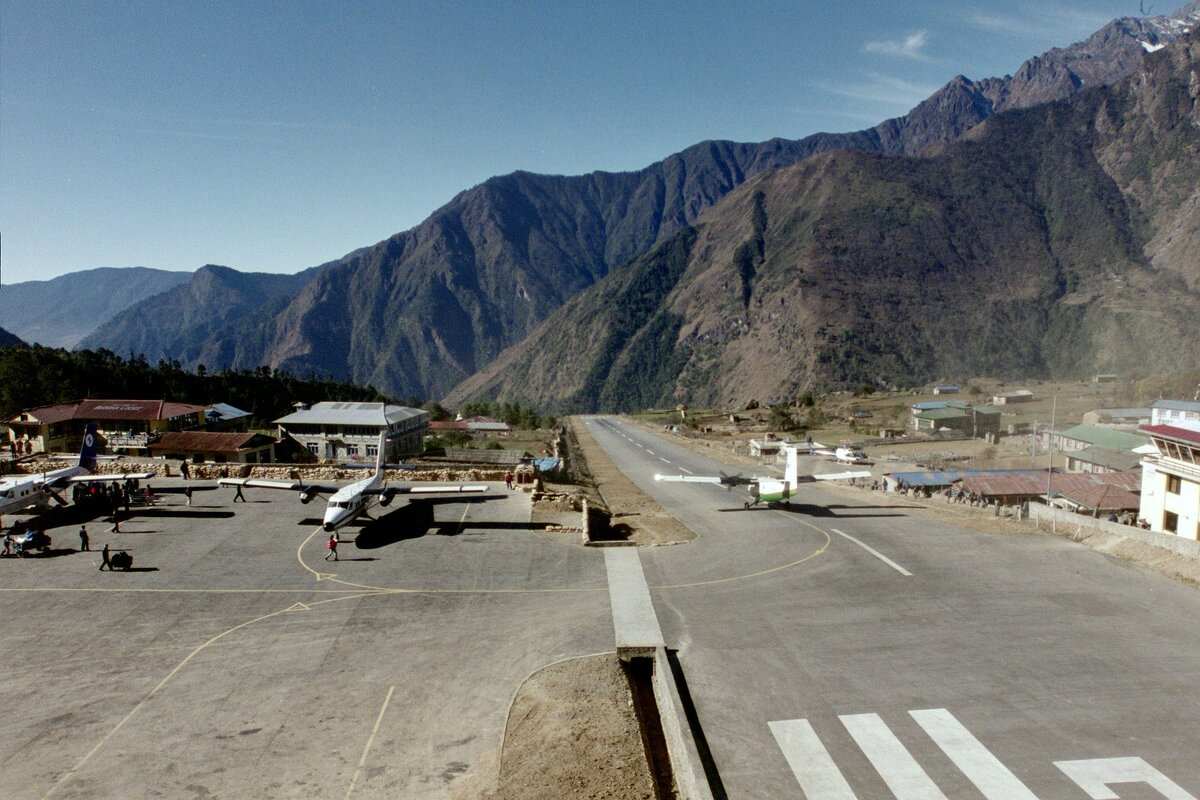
(226, 411)
(1034, 484)
(48, 415)
(1107, 457)
(1104, 437)
(943, 413)
(112, 409)
(338, 413)
(1177, 405)
(208, 442)
(135, 409)
(1172, 432)
(946, 477)
(1104, 497)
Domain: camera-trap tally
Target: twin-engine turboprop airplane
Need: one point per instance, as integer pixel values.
(347, 502)
(768, 489)
(17, 494)
(844, 454)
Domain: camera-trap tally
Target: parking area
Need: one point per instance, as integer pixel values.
(233, 660)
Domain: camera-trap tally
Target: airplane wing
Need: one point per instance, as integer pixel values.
(105, 478)
(434, 489)
(309, 489)
(720, 480)
(835, 476)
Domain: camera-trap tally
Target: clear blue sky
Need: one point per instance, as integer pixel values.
(276, 136)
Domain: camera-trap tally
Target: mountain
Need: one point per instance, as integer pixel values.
(1055, 241)
(61, 311)
(422, 311)
(181, 322)
(8, 340)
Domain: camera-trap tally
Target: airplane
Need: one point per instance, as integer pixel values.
(348, 502)
(842, 453)
(17, 494)
(768, 489)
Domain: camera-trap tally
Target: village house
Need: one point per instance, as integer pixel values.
(1170, 501)
(124, 427)
(198, 447)
(350, 431)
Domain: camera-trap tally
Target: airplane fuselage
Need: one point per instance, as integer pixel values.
(17, 494)
(348, 502)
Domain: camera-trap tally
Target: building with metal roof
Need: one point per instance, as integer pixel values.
(232, 447)
(1079, 437)
(1183, 413)
(1170, 501)
(1102, 459)
(335, 430)
(974, 421)
(123, 426)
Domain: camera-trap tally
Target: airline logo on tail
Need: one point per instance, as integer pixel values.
(87, 453)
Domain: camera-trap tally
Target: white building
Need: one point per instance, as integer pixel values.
(1183, 413)
(350, 431)
(1171, 481)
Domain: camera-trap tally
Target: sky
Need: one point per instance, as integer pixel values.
(275, 136)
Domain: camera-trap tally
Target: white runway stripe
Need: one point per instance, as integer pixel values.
(991, 777)
(874, 552)
(815, 771)
(899, 770)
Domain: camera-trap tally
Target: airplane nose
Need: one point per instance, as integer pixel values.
(328, 527)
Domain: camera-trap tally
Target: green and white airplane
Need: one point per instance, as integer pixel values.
(768, 489)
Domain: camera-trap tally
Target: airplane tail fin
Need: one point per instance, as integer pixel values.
(87, 453)
(381, 456)
(793, 466)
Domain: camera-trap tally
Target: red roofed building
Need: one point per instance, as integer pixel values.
(1171, 481)
(236, 447)
(124, 426)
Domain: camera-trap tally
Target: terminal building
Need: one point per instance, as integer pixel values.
(336, 431)
(124, 427)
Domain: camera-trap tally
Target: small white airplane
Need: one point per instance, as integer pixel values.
(768, 489)
(844, 454)
(347, 502)
(17, 494)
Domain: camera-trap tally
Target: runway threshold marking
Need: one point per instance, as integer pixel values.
(370, 741)
(874, 552)
(146, 698)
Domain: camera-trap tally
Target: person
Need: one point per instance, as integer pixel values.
(188, 493)
(105, 562)
(8, 544)
(83, 539)
(116, 516)
(239, 495)
(332, 545)
(508, 479)
(183, 468)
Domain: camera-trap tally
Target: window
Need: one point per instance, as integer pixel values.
(314, 448)
(1174, 483)
(1170, 521)
(351, 449)
(372, 450)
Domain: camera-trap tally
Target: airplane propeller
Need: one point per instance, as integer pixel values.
(729, 481)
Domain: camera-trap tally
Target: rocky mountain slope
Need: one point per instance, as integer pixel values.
(1059, 240)
(427, 308)
(61, 311)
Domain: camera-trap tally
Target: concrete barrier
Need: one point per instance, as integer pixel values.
(687, 766)
(1186, 547)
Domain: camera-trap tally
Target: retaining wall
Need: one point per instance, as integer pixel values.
(1176, 544)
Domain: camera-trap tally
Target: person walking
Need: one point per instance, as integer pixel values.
(116, 515)
(239, 495)
(332, 544)
(183, 468)
(508, 479)
(105, 562)
(83, 539)
(188, 493)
